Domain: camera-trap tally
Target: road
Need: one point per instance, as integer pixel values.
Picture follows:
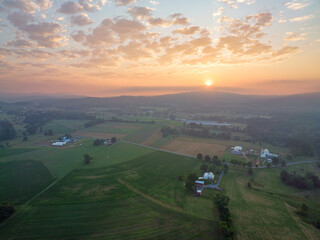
(214, 186)
(230, 164)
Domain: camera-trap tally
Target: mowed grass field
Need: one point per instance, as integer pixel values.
(61, 161)
(21, 180)
(130, 200)
(269, 212)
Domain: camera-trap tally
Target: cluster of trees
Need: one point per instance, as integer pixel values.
(166, 131)
(116, 119)
(301, 133)
(6, 210)
(204, 132)
(309, 181)
(192, 177)
(215, 159)
(36, 120)
(48, 132)
(7, 131)
(225, 217)
(98, 142)
(94, 122)
(303, 211)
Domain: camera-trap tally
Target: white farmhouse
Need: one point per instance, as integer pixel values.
(58, 143)
(237, 148)
(208, 175)
(266, 154)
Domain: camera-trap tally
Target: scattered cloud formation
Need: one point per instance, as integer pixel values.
(139, 38)
(301, 19)
(81, 20)
(297, 4)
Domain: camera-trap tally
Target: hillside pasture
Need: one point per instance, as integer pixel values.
(267, 210)
(91, 203)
(21, 180)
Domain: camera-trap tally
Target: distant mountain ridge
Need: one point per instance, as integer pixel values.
(195, 101)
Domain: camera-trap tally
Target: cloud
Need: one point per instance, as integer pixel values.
(219, 12)
(22, 5)
(174, 19)
(81, 20)
(140, 12)
(187, 30)
(301, 19)
(19, 19)
(20, 43)
(70, 7)
(44, 33)
(294, 37)
(124, 2)
(231, 3)
(296, 4)
(44, 4)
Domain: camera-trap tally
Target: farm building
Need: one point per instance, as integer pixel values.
(107, 142)
(198, 192)
(199, 183)
(266, 154)
(59, 143)
(208, 175)
(236, 150)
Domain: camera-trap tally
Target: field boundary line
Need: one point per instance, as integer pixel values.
(157, 201)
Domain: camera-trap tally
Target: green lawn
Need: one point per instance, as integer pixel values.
(14, 151)
(21, 180)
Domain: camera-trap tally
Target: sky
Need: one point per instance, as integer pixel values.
(150, 47)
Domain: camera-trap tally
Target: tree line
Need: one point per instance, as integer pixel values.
(309, 181)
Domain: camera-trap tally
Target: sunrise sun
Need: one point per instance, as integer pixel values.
(208, 83)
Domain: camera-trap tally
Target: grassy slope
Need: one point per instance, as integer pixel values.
(93, 204)
(266, 214)
(20, 180)
(61, 161)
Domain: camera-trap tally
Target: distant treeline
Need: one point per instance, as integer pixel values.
(204, 132)
(94, 122)
(116, 119)
(301, 133)
(36, 120)
(309, 181)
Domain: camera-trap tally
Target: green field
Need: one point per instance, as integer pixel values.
(94, 203)
(61, 161)
(268, 210)
(21, 180)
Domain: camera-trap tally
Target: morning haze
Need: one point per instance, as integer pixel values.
(143, 119)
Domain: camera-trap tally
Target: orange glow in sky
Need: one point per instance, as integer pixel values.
(117, 47)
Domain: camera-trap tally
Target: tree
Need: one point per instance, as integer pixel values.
(303, 210)
(7, 131)
(250, 171)
(207, 158)
(268, 165)
(275, 160)
(98, 142)
(113, 139)
(25, 138)
(215, 159)
(87, 158)
(204, 167)
(249, 185)
(283, 163)
(199, 156)
(225, 168)
(6, 210)
(289, 157)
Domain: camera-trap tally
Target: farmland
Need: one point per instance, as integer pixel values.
(269, 212)
(92, 203)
